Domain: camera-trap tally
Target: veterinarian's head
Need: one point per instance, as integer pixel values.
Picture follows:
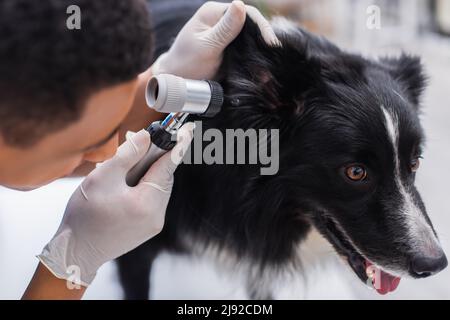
(64, 93)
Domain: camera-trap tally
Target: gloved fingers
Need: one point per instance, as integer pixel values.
(160, 175)
(129, 134)
(229, 26)
(266, 29)
(129, 153)
(210, 13)
(184, 139)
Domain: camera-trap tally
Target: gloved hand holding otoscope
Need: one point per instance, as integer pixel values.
(168, 93)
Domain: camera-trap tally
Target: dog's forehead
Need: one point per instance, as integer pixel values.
(401, 121)
(392, 126)
(379, 122)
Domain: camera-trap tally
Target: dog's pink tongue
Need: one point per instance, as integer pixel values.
(382, 281)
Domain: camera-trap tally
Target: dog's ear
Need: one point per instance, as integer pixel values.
(275, 78)
(408, 71)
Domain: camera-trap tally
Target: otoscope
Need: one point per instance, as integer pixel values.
(168, 93)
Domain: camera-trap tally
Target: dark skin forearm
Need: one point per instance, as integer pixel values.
(45, 286)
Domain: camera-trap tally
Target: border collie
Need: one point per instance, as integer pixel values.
(350, 147)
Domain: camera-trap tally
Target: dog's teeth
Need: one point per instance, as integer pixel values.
(370, 273)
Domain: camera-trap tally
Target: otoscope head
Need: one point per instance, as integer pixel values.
(168, 93)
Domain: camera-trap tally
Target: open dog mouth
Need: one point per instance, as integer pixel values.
(370, 274)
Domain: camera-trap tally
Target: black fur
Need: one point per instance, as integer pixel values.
(326, 104)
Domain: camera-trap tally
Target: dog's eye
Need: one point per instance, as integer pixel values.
(415, 164)
(356, 173)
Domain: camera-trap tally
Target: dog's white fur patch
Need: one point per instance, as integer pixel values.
(295, 280)
(421, 235)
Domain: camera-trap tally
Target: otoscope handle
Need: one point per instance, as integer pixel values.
(161, 144)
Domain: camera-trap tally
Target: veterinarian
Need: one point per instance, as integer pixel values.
(69, 95)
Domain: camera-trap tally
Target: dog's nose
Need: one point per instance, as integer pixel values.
(422, 266)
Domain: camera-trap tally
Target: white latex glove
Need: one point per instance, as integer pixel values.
(198, 49)
(105, 218)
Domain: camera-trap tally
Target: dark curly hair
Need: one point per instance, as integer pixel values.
(47, 71)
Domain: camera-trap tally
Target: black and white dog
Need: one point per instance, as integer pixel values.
(350, 147)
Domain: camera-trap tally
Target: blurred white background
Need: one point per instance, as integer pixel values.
(28, 220)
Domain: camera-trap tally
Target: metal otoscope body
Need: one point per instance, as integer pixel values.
(181, 97)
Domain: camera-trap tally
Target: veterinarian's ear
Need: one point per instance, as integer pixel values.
(408, 70)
